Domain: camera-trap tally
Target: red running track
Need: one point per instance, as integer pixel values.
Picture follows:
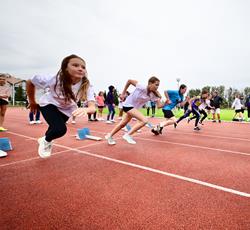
(179, 180)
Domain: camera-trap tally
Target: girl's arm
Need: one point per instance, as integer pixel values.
(84, 111)
(129, 82)
(168, 101)
(233, 105)
(159, 104)
(191, 101)
(30, 88)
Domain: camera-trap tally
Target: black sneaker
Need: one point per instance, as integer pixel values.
(214, 121)
(219, 121)
(197, 128)
(155, 132)
(175, 125)
(160, 130)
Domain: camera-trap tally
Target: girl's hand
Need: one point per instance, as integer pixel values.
(79, 112)
(122, 97)
(168, 101)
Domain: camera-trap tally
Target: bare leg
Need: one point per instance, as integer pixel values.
(3, 109)
(141, 120)
(126, 119)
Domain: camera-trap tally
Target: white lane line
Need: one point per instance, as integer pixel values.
(206, 184)
(145, 168)
(194, 146)
(31, 159)
(207, 135)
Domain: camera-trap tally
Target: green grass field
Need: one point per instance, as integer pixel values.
(226, 114)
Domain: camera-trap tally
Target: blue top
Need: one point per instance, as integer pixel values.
(196, 103)
(175, 97)
(110, 99)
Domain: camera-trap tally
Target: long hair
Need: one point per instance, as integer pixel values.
(153, 80)
(65, 83)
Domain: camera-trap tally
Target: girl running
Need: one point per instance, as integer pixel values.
(205, 105)
(134, 101)
(173, 98)
(4, 95)
(195, 102)
(239, 109)
(60, 102)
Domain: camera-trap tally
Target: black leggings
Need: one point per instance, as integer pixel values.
(56, 121)
(188, 112)
(201, 112)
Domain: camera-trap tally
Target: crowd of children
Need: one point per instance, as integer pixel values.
(69, 93)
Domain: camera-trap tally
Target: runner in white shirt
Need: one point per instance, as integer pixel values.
(239, 108)
(133, 102)
(4, 95)
(59, 103)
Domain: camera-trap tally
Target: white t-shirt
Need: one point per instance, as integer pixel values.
(5, 90)
(48, 82)
(204, 104)
(139, 97)
(237, 104)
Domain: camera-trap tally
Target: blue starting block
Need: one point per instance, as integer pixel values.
(85, 134)
(5, 144)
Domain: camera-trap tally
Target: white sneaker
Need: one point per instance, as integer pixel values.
(109, 122)
(129, 139)
(113, 121)
(110, 140)
(44, 149)
(38, 122)
(73, 122)
(32, 122)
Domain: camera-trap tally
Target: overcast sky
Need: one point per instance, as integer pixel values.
(202, 42)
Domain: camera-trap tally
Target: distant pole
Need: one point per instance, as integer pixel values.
(178, 82)
(13, 94)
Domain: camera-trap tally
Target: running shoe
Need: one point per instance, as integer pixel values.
(110, 140)
(45, 148)
(129, 139)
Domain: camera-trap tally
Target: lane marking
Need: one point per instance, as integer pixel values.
(195, 146)
(145, 168)
(207, 135)
(30, 159)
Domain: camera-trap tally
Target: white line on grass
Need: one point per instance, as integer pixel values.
(145, 168)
